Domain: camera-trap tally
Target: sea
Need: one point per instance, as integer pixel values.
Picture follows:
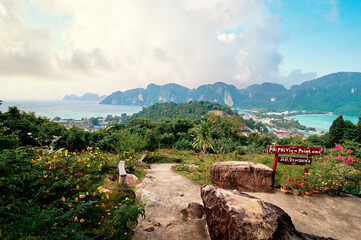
(86, 109)
(322, 122)
(70, 109)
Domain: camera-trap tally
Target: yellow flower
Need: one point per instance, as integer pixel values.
(82, 196)
(77, 187)
(101, 189)
(81, 220)
(76, 199)
(47, 191)
(103, 205)
(76, 218)
(45, 176)
(126, 198)
(87, 193)
(107, 195)
(63, 199)
(88, 165)
(56, 178)
(66, 153)
(69, 205)
(93, 193)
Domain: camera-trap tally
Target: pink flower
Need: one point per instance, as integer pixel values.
(338, 147)
(349, 151)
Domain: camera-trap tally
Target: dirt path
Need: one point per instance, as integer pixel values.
(321, 215)
(169, 193)
(337, 217)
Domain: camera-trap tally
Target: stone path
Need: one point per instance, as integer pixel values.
(321, 215)
(169, 193)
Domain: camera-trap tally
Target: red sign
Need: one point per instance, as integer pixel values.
(300, 150)
(294, 160)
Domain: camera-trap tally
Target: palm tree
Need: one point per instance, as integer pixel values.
(202, 133)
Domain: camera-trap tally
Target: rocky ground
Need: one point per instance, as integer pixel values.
(169, 193)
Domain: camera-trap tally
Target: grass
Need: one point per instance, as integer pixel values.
(193, 166)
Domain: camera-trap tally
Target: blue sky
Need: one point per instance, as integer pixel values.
(52, 48)
(319, 36)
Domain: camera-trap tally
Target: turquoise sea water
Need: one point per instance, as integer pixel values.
(321, 122)
(70, 109)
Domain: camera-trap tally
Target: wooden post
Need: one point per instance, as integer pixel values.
(122, 172)
(274, 169)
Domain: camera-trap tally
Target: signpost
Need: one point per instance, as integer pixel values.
(297, 150)
(294, 160)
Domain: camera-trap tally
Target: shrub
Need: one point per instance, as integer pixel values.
(59, 195)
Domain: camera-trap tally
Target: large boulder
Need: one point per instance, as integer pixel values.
(243, 176)
(236, 215)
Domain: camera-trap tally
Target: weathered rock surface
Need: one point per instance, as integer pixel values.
(131, 180)
(111, 177)
(243, 176)
(194, 210)
(236, 215)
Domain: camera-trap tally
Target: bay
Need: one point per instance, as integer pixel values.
(70, 109)
(321, 122)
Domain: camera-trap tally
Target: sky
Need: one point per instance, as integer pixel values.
(49, 49)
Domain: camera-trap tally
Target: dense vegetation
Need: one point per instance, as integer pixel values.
(52, 183)
(52, 178)
(168, 111)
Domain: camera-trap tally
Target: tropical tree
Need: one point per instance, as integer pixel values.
(359, 128)
(336, 131)
(202, 133)
(350, 131)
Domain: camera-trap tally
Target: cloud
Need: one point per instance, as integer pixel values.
(24, 51)
(296, 77)
(122, 44)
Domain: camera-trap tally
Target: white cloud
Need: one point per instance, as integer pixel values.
(121, 44)
(296, 77)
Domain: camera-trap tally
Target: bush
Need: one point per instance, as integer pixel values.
(59, 195)
(183, 144)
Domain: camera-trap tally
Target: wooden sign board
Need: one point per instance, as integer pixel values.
(299, 150)
(294, 160)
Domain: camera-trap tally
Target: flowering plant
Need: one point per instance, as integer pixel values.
(297, 181)
(333, 171)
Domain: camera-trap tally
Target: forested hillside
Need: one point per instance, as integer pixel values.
(190, 111)
(338, 93)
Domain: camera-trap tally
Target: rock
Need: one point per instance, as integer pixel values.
(243, 176)
(131, 180)
(179, 193)
(194, 210)
(236, 215)
(111, 177)
(108, 189)
(149, 229)
(142, 164)
(157, 224)
(127, 192)
(175, 159)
